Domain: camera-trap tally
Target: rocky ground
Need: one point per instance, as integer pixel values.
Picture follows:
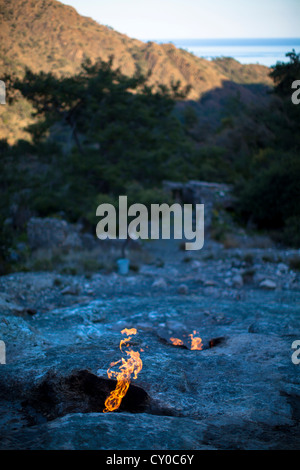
(240, 392)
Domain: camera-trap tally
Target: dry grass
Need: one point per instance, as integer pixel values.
(83, 262)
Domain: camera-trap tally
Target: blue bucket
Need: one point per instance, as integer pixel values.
(123, 265)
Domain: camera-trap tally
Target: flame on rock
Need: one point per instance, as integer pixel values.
(196, 342)
(132, 365)
(176, 341)
(129, 331)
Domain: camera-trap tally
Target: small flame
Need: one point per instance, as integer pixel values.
(129, 331)
(196, 342)
(176, 341)
(133, 365)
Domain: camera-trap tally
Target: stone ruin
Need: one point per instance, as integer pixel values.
(212, 195)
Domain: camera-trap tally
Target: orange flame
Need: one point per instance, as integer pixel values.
(196, 342)
(176, 341)
(129, 331)
(133, 365)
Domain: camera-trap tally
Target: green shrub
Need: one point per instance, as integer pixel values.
(271, 199)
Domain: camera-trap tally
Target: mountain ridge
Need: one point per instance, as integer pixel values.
(48, 36)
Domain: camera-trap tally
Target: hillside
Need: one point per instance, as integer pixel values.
(46, 35)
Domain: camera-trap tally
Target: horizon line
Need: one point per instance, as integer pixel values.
(219, 39)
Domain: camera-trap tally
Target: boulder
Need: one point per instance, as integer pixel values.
(159, 283)
(183, 289)
(237, 281)
(47, 232)
(282, 268)
(72, 241)
(268, 284)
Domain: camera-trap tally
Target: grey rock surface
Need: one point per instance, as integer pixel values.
(241, 391)
(47, 232)
(51, 233)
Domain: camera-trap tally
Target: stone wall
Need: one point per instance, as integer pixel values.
(201, 192)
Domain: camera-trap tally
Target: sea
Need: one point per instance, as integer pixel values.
(247, 51)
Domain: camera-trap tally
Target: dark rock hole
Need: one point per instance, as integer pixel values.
(206, 344)
(82, 392)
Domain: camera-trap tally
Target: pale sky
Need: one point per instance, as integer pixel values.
(167, 19)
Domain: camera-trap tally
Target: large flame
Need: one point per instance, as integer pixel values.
(133, 365)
